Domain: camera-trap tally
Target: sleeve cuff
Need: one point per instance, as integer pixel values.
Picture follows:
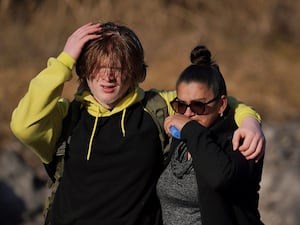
(67, 60)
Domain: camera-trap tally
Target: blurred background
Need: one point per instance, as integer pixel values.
(256, 43)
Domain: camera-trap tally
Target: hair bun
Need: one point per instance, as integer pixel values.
(200, 55)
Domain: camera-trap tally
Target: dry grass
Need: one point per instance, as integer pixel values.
(255, 43)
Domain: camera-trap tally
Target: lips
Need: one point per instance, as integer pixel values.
(108, 88)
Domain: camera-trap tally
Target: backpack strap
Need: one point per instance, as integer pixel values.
(157, 107)
(56, 166)
(69, 123)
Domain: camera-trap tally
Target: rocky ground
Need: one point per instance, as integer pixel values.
(23, 187)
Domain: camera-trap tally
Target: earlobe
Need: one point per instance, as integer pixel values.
(223, 104)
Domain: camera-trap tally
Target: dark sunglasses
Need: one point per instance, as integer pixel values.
(195, 106)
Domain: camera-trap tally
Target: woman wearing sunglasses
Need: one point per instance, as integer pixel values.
(206, 182)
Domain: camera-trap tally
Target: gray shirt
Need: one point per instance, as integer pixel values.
(178, 192)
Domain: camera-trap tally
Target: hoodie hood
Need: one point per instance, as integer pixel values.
(96, 110)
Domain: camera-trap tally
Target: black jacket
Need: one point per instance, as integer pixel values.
(228, 183)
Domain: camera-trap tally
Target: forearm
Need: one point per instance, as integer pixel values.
(222, 168)
(242, 111)
(37, 119)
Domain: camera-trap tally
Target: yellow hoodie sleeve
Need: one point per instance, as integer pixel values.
(37, 120)
(241, 110)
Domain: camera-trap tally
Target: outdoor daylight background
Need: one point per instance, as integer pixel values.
(255, 42)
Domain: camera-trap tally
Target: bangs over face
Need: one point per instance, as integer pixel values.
(117, 47)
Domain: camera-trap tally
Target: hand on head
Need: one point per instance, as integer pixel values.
(81, 36)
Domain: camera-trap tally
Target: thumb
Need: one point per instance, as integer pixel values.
(236, 139)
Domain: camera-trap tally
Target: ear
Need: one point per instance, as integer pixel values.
(223, 104)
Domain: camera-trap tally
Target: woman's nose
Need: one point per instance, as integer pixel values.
(188, 112)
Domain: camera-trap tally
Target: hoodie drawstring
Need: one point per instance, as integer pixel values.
(92, 136)
(123, 122)
(95, 127)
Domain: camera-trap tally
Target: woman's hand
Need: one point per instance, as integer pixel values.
(177, 120)
(249, 139)
(81, 36)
